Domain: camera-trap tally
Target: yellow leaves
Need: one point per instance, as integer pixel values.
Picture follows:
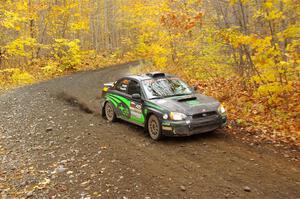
(274, 15)
(232, 2)
(290, 32)
(21, 77)
(11, 20)
(275, 69)
(20, 47)
(143, 15)
(65, 9)
(51, 68)
(67, 53)
(266, 55)
(21, 6)
(80, 25)
(16, 77)
(16, 15)
(160, 61)
(273, 90)
(273, 11)
(257, 79)
(156, 51)
(268, 4)
(236, 39)
(70, 17)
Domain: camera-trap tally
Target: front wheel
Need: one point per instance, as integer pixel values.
(154, 128)
(110, 112)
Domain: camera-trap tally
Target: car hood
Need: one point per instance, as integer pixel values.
(188, 104)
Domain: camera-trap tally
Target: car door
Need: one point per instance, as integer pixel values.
(136, 114)
(128, 108)
(119, 94)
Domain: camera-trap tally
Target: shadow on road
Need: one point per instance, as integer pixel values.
(208, 136)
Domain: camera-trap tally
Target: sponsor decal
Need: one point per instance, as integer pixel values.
(127, 109)
(124, 110)
(136, 109)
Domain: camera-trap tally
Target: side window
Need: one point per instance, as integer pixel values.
(122, 85)
(133, 88)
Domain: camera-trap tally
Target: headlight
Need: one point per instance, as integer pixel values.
(221, 109)
(177, 116)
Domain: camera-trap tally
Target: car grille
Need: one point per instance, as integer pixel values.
(203, 115)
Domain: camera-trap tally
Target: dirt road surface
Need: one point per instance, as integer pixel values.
(54, 144)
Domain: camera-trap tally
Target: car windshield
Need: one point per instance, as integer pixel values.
(166, 87)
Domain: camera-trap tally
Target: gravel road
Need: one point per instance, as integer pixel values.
(54, 144)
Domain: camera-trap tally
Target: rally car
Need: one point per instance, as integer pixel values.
(163, 104)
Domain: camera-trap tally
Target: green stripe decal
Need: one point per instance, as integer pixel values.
(112, 101)
(154, 106)
(116, 99)
(123, 99)
(138, 120)
(113, 97)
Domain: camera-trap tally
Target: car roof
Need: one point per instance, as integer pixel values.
(146, 76)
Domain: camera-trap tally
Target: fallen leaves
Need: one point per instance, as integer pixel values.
(42, 184)
(249, 114)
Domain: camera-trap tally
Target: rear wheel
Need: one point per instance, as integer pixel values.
(154, 128)
(110, 112)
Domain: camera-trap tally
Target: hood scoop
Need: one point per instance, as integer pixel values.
(187, 99)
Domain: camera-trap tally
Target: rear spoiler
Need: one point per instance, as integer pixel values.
(110, 84)
(107, 86)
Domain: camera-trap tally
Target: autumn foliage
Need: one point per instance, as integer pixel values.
(246, 53)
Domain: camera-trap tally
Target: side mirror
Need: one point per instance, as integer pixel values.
(195, 87)
(136, 96)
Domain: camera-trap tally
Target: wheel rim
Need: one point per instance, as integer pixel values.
(109, 112)
(153, 127)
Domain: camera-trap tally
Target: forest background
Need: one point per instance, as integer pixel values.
(246, 53)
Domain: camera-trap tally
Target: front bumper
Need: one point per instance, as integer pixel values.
(192, 126)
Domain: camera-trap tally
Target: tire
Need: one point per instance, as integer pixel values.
(110, 112)
(154, 127)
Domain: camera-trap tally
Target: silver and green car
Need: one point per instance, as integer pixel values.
(163, 104)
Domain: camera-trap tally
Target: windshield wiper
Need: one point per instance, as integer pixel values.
(158, 97)
(166, 96)
(178, 95)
